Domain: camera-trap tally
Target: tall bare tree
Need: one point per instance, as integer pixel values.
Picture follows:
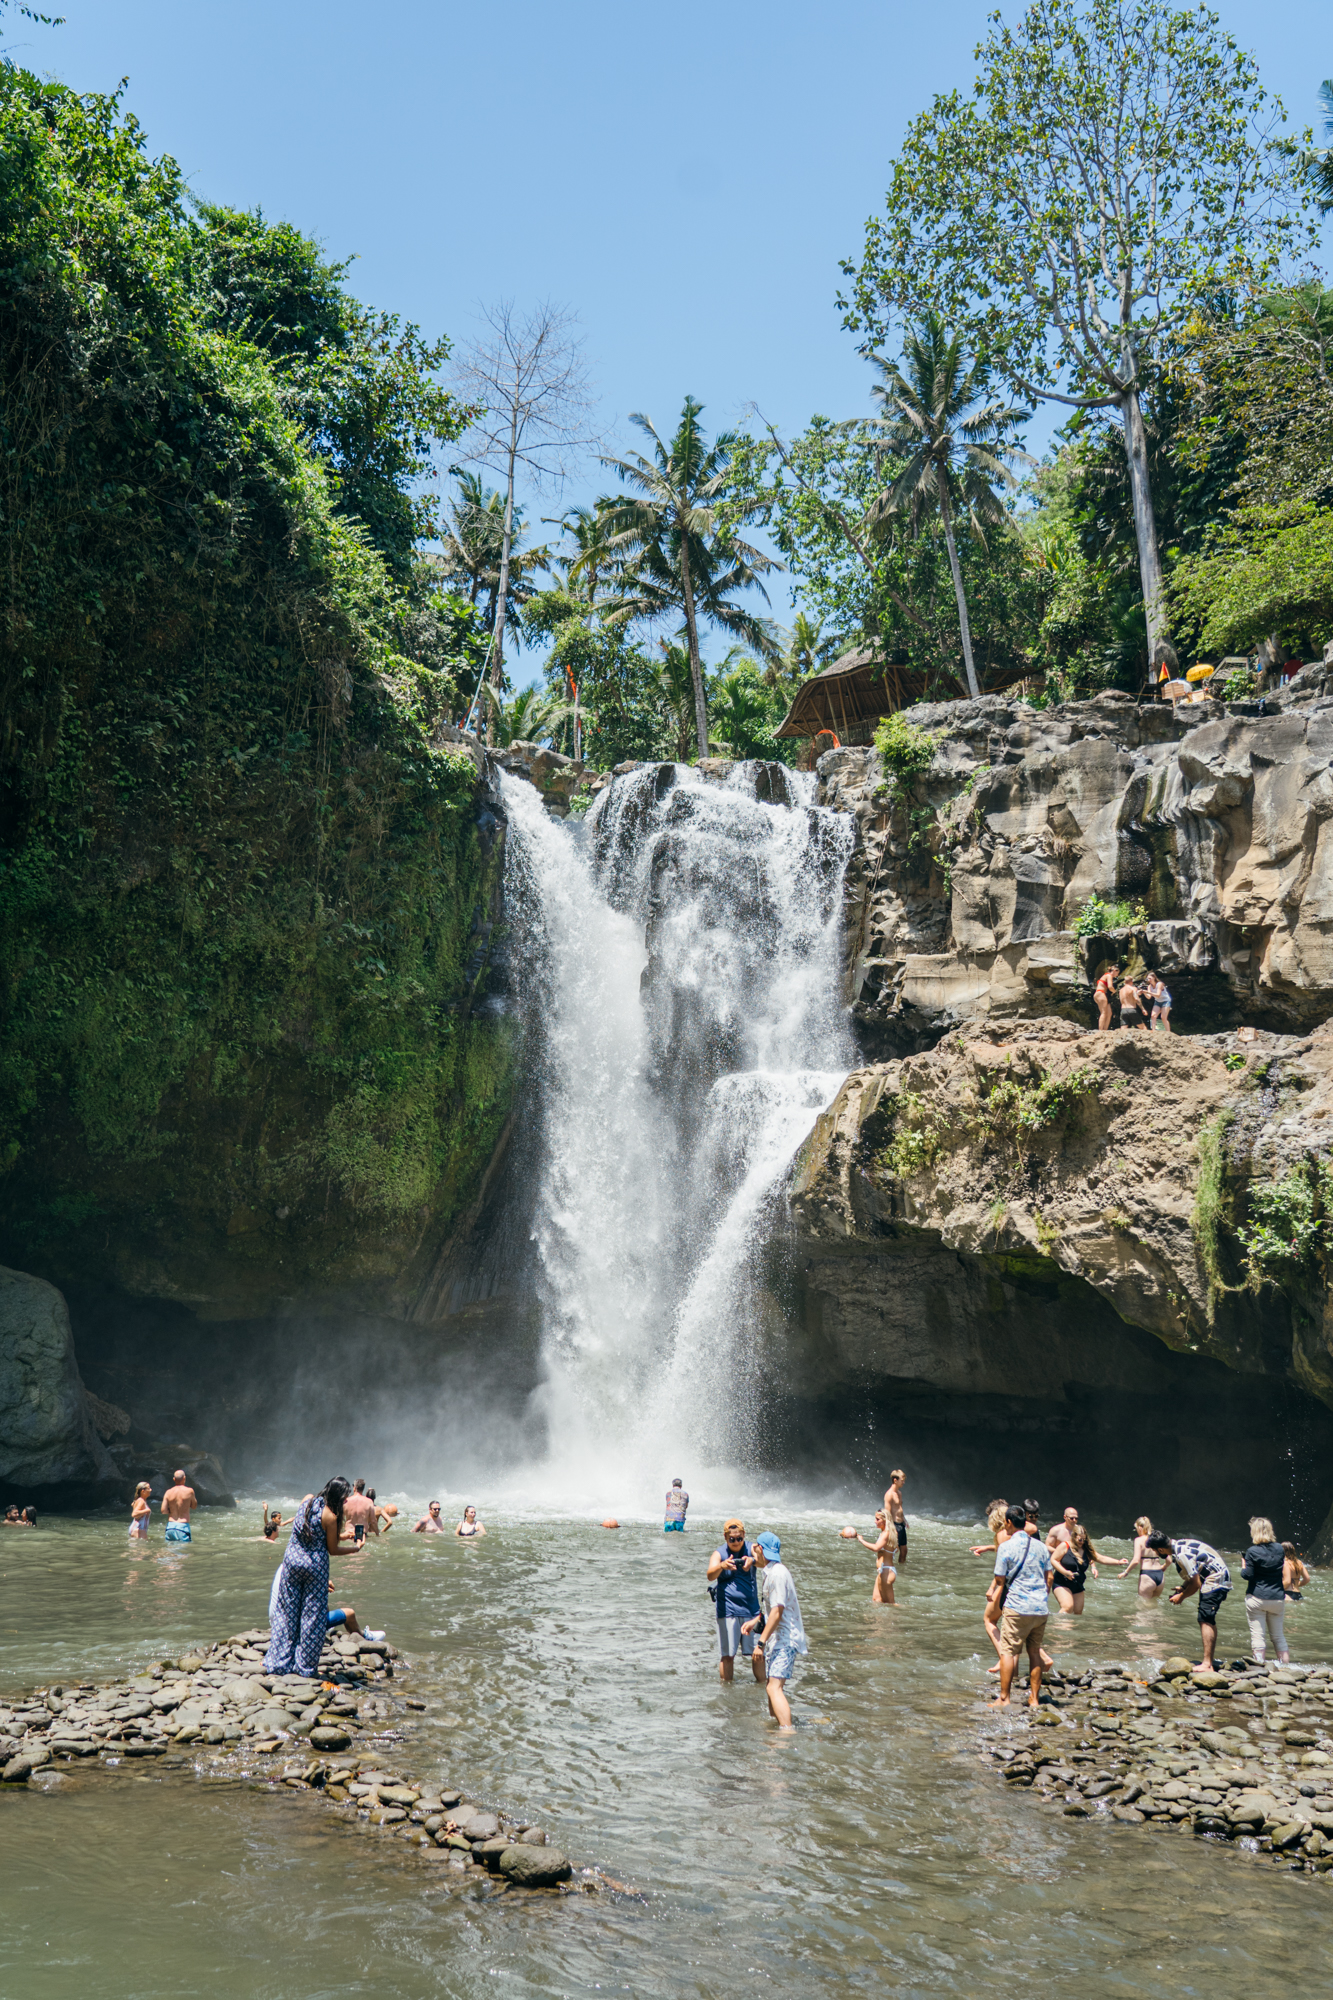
(527, 373)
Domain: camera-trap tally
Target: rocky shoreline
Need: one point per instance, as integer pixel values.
(217, 1710)
(1242, 1756)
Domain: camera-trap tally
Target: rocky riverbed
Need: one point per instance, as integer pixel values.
(338, 1737)
(1243, 1756)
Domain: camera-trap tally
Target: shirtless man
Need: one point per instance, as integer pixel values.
(1062, 1533)
(359, 1512)
(430, 1522)
(177, 1504)
(882, 1551)
(893, 1509)
(385, 1515)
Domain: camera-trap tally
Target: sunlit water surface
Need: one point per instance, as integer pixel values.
(569, 1674)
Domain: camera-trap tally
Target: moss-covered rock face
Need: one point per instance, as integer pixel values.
(246, 888)
(242, 1059)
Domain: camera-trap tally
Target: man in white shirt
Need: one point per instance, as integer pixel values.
(783, 1632)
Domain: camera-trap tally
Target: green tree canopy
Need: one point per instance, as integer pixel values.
(1114, 161)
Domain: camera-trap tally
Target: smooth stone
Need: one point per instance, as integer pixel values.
(387, 1815)
(534, 1867)
(144, 1749)
(398, 1795)
(1176, 1666)
(215, 1733)
(489, 1851)
(328, 1737)
(531, 1836)
(1299, 1738)
(269, 1719)
(1130, 1814)
(19, 1769)
(478, 1826)
(1288, 1834)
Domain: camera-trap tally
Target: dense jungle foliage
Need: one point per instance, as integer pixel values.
(243, 894)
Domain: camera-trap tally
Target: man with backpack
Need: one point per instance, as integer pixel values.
(1019, 1597)
(735, 1591)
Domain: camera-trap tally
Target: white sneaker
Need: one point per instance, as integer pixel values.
(373, 1635)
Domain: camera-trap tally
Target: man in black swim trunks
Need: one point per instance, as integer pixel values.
(893, 1507)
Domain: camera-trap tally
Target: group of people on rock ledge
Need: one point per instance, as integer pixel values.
(1028, 1568)
(1144, 1001)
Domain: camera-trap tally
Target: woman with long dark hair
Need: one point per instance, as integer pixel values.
(298, 1608)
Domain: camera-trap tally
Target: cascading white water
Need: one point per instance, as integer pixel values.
(679, 960)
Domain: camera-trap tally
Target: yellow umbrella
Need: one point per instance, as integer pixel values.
(1202, 672)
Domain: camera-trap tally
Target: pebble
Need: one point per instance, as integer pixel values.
(1236, 1755)
(220, 1697)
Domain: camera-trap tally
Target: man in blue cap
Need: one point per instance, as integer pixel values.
(783, 1634)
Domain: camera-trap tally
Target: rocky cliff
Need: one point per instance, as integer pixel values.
(1118, 1245)
(969, 878)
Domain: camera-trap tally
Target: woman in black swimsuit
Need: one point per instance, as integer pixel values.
(1071, 1561)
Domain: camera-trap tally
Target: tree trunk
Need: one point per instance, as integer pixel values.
(502, 593)
(958, 590)
(1145, 527)
(692, 636)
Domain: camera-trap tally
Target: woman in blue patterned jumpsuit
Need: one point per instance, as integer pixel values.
(300, 1602)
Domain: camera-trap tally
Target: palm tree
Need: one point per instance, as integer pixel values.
(1322, 159)
(671, 536)
(676, 684)
(474, 547)
(528, 718)
(807, 649)
(948, 446)
(739, 710)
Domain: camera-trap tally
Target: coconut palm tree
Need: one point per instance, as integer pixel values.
(679, 554)
(473, 549)
(946, 446)
(530, 717)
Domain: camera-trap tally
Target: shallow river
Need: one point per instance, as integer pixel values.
(569, 1673)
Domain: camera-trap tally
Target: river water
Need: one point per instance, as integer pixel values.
(569, 1672)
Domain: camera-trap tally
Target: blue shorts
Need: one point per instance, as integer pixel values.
(781, 1661)
(178, 1531)
(673, 1527)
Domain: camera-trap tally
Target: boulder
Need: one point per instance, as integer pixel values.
(49, 1447)
(534, 1867)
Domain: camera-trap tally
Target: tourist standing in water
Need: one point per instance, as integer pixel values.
(430, 1522)
(1265, 1592)
(469, 1525)
(141, 1512)
(677, 1501)
(893, 1508)
(1295, 1575)
(1071, 1561)
(783, 1636)
(299, 1603)
(735, 1592)
(360, 1510)
(882, 1550)
(1203, 1570)
(177, 1504)
(1019, 1602)
(1151, 1568)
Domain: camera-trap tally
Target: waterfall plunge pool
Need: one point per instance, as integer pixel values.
(569, 1672)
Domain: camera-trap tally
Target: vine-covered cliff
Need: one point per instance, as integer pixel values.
(247, 889)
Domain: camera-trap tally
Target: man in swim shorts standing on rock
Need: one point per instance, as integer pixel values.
(177, 1503)
(893, 1508)
(731, 1571)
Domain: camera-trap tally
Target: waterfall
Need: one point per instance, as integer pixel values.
(678, 961)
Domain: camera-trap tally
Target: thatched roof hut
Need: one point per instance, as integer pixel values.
(850, 696)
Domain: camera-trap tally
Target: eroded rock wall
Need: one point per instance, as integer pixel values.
(963, 893)
(1028, 1247)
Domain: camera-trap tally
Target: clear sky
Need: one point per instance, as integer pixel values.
(685, 177)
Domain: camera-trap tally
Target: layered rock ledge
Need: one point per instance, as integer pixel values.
(1118, 1238)
(967, 880)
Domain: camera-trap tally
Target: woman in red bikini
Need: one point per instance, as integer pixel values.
(1104, 993)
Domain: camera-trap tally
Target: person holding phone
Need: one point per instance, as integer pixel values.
(735, 1592)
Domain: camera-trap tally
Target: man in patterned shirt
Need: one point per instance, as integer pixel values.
(1203, 1570)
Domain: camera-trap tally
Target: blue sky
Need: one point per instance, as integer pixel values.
(686, 178)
